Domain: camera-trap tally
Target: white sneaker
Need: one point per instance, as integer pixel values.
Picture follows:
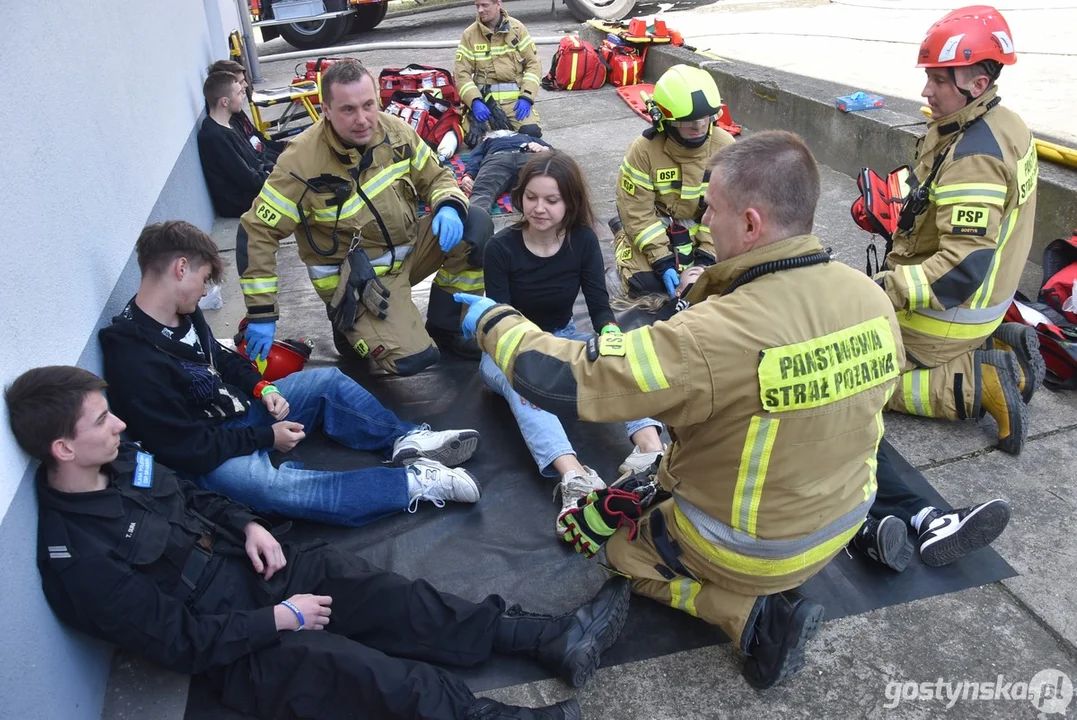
(572, 487)
(439, 484)
(639, 461)
(448, 447)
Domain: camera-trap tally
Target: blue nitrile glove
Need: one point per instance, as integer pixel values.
(671, 280)
(522, 108)
(448, 228)
(480, 111)
(259, 337)
(477, 305)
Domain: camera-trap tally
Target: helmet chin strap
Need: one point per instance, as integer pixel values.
(993, 73)
(690, 144)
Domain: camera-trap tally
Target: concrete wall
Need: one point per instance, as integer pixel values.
(102, 144)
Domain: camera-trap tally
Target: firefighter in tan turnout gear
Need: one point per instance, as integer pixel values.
(349, 188)
(965, 236)
(772, 384)
(497, 63)
(662, 183)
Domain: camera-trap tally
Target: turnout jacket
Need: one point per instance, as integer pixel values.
(174, 400)
(953, 275)
(505, 54)
(111, 564)
(661, 180)
(395, 171)
(773, 396)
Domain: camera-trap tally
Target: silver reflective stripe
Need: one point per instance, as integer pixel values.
(317, 272)
(967, 316)
(504, 87)
(718, 533)
(399, 253)
(667, 221)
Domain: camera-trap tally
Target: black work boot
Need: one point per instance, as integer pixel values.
(946, 535)
(454, 342)
(487, 709)
(885, 541)
(774, 638)
(1024, 343)
(1000, 395)
(570, 645)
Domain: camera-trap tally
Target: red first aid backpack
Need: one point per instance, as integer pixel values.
(625, 63)
(416, 78)
(432, 124)
(576, 66)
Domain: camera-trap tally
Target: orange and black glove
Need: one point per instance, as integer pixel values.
(588, 526)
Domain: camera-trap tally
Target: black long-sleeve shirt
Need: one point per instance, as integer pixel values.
(175, 396)
(111, 561)
(233, 170)
(544, 289)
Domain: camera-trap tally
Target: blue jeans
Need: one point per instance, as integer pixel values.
(346, 412)
(542, 431)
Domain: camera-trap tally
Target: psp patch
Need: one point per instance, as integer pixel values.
(267, 215)
(966, 220)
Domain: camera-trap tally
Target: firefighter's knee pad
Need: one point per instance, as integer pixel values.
(412, 364)
(531, 129)
(478, 229)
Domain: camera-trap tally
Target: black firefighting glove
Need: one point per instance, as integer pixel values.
(475, 132)
(363, 292)
(498, 119)
(596, 517)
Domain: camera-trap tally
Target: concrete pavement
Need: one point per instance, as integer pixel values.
(874, 665)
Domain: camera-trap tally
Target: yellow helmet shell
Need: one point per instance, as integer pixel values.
(687, 93)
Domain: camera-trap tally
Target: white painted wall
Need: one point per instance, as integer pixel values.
(99, 142)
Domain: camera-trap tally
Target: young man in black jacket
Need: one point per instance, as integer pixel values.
(234, 171)
(266, 149)
(206, 412)
(133, 555)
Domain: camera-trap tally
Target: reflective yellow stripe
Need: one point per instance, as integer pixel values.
(919, 288)
(527, 41)
(915, 386)
(643, 361)
(466, 52)
(760, 566)
(946, 328)
(986, 193)
(503, 95)
(531, 77)
(983, 295)
(873, 460)
(325, 284)
(754, 459)
(507, 344)
(422, 155)
(682, 595)
(278, 202)
(259, 285)
(649, 234)
(468, 87)
(693, 192)
(371, 187)
(466, 281)
(636, 176)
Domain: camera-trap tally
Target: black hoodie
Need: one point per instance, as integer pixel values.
(175, 399)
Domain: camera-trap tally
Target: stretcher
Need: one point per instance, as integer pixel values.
(635, 97)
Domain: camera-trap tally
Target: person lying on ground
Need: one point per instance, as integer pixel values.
(495, 165)
(205, 411)
(134, 555)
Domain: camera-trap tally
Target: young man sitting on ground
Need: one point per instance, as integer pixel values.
(268, 150)
(234, 171)
(133, 555)
(204, 410)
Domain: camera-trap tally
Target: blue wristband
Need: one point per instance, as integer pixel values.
(294, 609)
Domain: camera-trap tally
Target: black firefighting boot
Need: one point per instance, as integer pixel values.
(775, 636)
(998, 394)
(570, 645)
(1024, 343)
(487, 709)
(946, 535)
(885, 541)
(444, 315)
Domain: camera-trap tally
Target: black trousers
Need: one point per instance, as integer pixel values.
(497, 175)
(371, 660)
(895, 496)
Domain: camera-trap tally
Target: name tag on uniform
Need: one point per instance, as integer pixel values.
(143, 470)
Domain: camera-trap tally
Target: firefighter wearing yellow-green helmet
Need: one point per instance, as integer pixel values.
(662, 183)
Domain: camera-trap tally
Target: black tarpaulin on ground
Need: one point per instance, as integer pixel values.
(506, 545)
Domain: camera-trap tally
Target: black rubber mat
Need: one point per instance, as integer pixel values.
(506, 545)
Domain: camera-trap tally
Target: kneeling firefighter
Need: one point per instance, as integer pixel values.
(349, 188)
(663, 179)
(773, 391)
(962, 236)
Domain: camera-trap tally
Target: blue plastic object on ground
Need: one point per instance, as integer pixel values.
(858, 101)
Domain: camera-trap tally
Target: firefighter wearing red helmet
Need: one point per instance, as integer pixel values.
(965, 235)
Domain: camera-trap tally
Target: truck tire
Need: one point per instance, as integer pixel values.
(316, 34)
(368, 16)
(584, 10)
